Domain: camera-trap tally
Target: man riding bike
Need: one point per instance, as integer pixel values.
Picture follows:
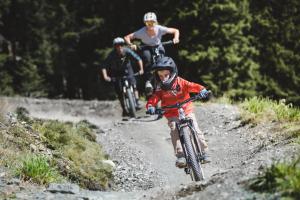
(150, 35)
(170, 90)
(119, 64)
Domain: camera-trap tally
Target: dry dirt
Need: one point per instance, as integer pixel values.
(145, 162)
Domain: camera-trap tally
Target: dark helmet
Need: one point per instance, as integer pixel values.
(166, 63)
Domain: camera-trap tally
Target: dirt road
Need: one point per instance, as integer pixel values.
(142, 151)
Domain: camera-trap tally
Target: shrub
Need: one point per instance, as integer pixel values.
(22, 114)
(280, 177)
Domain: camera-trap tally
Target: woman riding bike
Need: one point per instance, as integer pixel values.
(170, 90)
(118, 64)
(150, 35)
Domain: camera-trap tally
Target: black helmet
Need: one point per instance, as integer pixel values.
(166, 63)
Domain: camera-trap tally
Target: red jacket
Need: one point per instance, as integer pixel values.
(181, 92)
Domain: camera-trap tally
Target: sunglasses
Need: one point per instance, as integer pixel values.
(150, 23)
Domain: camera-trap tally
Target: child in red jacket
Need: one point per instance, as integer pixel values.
(170, 90)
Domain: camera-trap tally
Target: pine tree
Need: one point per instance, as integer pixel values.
(218, 48)
(276, 30)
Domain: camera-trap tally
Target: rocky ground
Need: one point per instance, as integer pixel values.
(142, 151)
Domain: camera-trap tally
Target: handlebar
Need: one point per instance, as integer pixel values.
(160, 111)
(169, 42)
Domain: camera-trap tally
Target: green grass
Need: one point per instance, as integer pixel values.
(75, 151)
(282, 178)
(76, 143)
(261, 109)
(36, 168)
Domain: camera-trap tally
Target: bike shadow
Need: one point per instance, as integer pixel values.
(144, 118)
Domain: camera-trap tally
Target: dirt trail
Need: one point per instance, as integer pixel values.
(143, 152)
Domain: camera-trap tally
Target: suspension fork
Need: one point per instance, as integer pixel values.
(189, 123)
(179, 127)
(195, 141)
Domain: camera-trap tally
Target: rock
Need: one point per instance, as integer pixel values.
(33, 147)
(63, 188)
(110, 163)
(12, 118)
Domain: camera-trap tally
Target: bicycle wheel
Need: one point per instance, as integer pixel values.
(193, 162)
(131, 104)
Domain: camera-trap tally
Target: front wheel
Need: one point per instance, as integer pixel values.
(192, 161)
(130, 103)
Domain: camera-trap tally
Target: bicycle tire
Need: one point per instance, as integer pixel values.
(197, 171)
(131, 104)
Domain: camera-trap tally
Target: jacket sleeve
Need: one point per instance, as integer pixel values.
(153, 100)
(193, 87)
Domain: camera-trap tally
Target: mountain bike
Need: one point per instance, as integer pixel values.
(128, 96)
(156, 53)
(188, 138)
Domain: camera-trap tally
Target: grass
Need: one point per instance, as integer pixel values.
(261, 109)
(258, 110)
(75, 152)
(76, 142)
(36, 168)
(282, 178)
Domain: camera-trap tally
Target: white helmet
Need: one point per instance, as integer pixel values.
(118, 40)
(150, 16)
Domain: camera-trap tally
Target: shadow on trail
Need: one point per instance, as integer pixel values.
(145, 118)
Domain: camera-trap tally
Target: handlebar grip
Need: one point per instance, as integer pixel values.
(208, 97)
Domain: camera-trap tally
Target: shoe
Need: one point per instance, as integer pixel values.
(204, 158)
(180, 162)
(148, 88)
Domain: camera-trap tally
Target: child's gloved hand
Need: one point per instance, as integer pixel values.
(203, 93)
(151, 110)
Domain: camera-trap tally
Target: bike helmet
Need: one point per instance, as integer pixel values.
(150, 16)
(118, 41)
(166, 63)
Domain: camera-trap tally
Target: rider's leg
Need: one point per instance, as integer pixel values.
(180, 162)
(200, 134)
(146, 55)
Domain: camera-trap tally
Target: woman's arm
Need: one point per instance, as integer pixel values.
(128, 39)
(176, 34)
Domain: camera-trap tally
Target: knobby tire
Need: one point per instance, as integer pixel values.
(196, 172)
(131, 104)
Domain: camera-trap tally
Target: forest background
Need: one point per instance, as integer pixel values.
(238, 48)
